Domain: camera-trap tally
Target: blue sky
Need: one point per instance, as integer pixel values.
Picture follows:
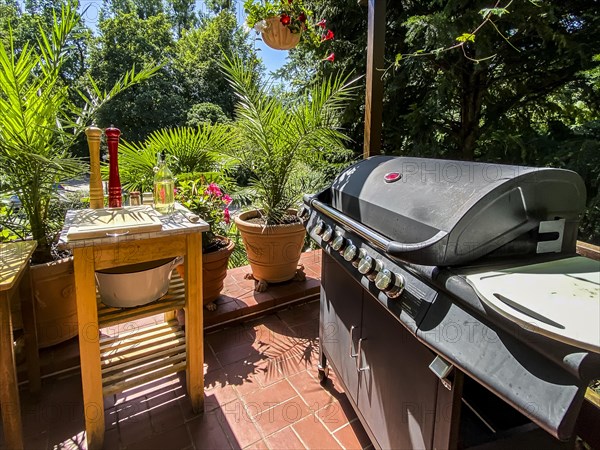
(272, 59)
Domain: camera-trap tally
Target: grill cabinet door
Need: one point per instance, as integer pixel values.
(397, 393)
(341, 303)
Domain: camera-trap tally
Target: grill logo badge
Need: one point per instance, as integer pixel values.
(390, 177)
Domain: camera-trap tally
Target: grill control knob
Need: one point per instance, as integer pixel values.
(389, 282)
(384, 280)
(338, 243)
(319, 227)
(366, 265)
(351, 252)
(378, 268)
(328, 233)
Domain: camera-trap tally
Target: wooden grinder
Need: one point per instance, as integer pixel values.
(96, 192)
(115, 199)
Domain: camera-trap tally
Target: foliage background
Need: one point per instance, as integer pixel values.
(535, 102)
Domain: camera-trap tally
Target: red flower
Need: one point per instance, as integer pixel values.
(285, 19)
(226, 216)
(322, 23)
(302, 17)
(226, 199)
(327, 36)
(330, 58)
(213, 189)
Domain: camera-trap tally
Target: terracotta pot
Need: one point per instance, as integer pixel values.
(53, 288)
(274, 250)
(214, 271)
(278, 36)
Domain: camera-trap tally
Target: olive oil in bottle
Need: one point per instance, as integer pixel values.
(164, 186)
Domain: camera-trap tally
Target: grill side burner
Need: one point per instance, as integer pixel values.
(424, 361)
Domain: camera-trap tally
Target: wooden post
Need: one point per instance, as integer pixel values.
(375, 66)
(96, 193)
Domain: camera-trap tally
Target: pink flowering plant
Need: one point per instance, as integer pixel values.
(291, 13)
(211, 204)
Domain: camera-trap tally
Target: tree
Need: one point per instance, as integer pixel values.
(197, 57)
(126, 41)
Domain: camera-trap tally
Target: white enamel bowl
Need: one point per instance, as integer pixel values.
(137, 284)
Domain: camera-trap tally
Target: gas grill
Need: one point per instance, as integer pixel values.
(454, 308)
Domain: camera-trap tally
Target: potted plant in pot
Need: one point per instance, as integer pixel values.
(277, 141)
(212, 206)
(282, 23)
(40, 121)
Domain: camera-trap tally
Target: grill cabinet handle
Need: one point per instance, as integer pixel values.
(352, 342)
(358, 353)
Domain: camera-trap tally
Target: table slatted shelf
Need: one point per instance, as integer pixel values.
(136, 359)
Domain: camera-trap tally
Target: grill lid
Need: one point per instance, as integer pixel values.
(442, 212)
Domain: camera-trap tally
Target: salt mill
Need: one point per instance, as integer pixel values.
(93, 134)
(115, 199)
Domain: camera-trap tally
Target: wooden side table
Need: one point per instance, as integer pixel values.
(110, 365)
(14, 280)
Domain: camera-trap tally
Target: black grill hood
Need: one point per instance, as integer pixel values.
(441, 212)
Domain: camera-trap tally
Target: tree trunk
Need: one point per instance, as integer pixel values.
(472, 91)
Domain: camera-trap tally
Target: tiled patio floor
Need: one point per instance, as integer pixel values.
(261, 392)
(261, 389)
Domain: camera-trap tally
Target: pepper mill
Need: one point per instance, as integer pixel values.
(115, 199)
(93, 134)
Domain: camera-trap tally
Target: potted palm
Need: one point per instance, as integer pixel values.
(277, 141)
(41, 118)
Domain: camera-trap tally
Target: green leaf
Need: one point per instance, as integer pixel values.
(466, 37)
(487, 12)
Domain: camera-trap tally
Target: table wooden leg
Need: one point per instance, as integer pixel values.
(9, 393)
(89, 346)
(194, 321)
(30, 330)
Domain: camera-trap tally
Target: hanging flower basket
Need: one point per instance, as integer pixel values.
(278, 36)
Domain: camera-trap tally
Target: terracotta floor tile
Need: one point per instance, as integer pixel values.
(244, 375)
(73, 442)
(206, 432)
(300, 314)
(166, 416)
(269, 396)
(173, 439)
(237, 424)
(310, 390)
(260, 445)
(210, 360)
(228, 338)
(279, 417)
(218, 397)
(314, 435)
(35, 442)
(337, 414)
(353, 436)
(112, 439)
(132, 428)
(285, 439)
(239, 353)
